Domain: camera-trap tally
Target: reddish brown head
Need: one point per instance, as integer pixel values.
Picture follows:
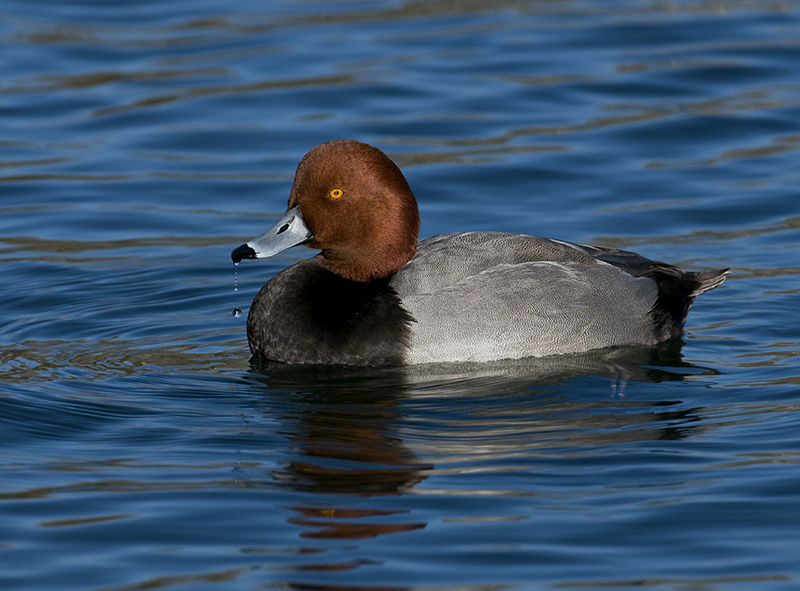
(359, 208)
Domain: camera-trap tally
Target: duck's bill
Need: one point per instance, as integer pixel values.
(288, 231)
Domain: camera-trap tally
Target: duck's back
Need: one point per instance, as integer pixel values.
(483, 295)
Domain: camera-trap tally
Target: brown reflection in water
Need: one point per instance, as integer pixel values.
(344, 426)
(368, 457)
(335, 523)
(347, 439)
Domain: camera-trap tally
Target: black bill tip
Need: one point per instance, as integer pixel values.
(242, 252)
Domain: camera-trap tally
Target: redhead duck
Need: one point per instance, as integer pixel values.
(374, 296)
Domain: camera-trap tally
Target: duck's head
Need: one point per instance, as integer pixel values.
(350, 201)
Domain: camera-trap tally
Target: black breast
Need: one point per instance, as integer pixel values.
(307, 314)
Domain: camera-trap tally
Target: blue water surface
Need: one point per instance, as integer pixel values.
(140, 448)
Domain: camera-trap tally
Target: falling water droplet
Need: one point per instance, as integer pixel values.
(236, 311)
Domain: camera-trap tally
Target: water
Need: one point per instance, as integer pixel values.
(139, 447)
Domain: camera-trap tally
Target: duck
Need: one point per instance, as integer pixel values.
(376, 296)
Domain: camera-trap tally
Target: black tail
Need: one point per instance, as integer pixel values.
(676, 292)
(708, 280)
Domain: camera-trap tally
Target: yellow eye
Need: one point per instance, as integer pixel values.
(336, 193)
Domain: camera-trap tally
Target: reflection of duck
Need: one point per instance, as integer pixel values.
(345, 426)
(374, 296)
(355, 433)
(349, 426)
